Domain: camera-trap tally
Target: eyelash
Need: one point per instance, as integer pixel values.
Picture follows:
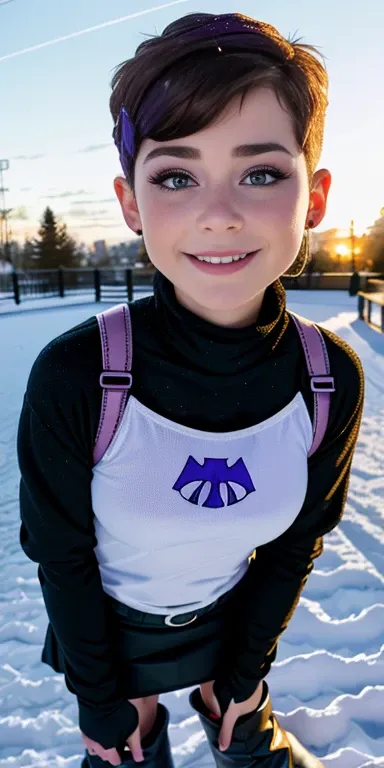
(159, 178)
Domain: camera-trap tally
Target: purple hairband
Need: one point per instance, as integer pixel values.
(229, 25)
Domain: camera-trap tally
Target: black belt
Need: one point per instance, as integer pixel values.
(172, 620)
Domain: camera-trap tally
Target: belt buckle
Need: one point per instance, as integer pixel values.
(168, 620)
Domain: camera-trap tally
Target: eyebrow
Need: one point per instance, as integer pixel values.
(191, 153)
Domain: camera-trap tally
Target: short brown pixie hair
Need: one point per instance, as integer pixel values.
(193, 80)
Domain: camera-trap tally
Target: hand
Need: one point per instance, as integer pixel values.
(112, 755)
(233, 712)
(147, 710)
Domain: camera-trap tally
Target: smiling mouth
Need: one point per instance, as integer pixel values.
(222, 259)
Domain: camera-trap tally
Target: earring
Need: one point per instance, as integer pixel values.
(139, 231)
(301, 260)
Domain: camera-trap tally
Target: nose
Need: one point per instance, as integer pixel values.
(220, 215)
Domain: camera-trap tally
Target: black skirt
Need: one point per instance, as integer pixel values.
(154, 660)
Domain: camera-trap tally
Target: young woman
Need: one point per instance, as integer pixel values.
(175, 554)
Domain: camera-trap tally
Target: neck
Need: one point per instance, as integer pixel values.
(240, 317)
(210, 344)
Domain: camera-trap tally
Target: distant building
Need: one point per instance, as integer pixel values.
(100, 252)
(326, 241)
(5, 267)
(14, 260)
(16, 253)
(124, 254)
(337, 246)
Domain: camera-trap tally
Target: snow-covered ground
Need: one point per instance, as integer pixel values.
(328, 682)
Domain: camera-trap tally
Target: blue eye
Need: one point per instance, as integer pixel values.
(263, 173)
(162, 176)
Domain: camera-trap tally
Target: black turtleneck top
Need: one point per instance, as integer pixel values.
(202, 376)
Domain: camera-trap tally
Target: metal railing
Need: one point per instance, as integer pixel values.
(112, 284)
(118, 284)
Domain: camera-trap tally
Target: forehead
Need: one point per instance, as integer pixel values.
(260, 117)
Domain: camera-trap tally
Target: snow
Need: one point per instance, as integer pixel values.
(327, 683)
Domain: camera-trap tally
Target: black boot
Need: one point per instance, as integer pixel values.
(257, 740)
(156, 747)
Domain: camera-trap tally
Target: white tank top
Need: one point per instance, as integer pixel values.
(178, 511)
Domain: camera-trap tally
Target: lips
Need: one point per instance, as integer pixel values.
(219, 254)
(221, 268)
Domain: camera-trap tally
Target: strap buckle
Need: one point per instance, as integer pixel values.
(322, 384)
(168, 620)
(118, 380)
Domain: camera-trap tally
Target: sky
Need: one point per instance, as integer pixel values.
(55, 125)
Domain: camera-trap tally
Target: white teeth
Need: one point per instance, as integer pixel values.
(222, 260)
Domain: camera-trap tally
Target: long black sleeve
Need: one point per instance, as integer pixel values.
(57, 532)
(281, 568)
(199, 375)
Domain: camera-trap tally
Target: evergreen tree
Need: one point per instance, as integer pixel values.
(29, 259)
(54, 247)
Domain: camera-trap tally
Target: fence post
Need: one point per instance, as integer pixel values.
(16, 288)
(97, 284)
(129, 284)
(60, 280)
(361, 303)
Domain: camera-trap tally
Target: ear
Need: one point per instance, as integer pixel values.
(128, 203)
(321, 183)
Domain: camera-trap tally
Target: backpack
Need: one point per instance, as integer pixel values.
(116, 379)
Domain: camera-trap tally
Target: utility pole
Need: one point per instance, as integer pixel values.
(4, 213)
(352, 239)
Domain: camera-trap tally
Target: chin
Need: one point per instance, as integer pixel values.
(225, 300)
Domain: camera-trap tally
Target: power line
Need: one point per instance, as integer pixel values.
(81, 32)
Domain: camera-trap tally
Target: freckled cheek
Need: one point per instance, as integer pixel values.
(164, 224)
(280, 212)
(160, 209)
(165, 204)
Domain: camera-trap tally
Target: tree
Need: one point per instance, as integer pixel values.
(29, 258)
(54, 247)
(374, 253)
(373, 250)
(321, 261)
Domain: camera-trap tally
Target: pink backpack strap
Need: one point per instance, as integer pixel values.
(116, 379)
(322, 384)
